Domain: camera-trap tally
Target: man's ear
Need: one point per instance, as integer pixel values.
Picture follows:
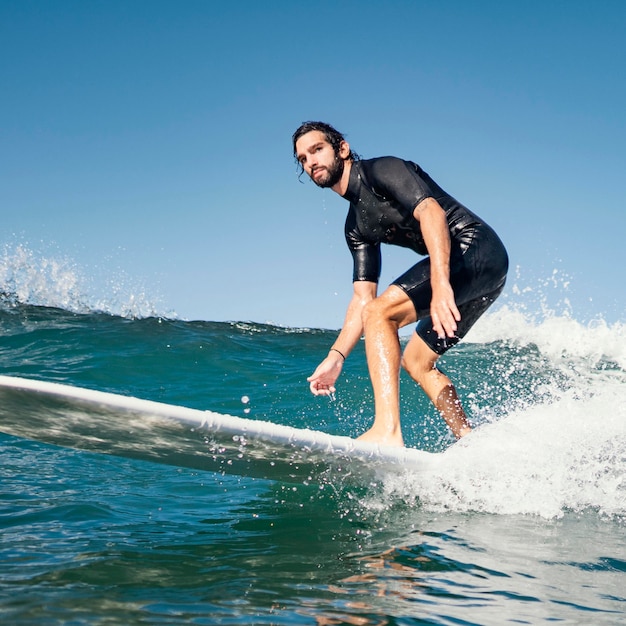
(344, 149)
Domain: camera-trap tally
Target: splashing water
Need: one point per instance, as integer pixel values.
(31, 278)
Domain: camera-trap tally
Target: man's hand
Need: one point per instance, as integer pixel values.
(322, 381)
(444, 312)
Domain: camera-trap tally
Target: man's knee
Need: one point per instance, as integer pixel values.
(419, 360)
(416, 369)
(391, 306)
(375, 310)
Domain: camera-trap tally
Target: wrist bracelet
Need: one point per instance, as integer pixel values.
(343, 356)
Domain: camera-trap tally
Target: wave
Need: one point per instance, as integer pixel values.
(557, 336)
(32, 278)
(547, 390)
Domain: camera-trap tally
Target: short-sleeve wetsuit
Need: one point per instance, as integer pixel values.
(383, 194)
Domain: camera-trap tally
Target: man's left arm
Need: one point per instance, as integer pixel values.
(434, 227)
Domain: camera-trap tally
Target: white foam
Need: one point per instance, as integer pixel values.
(556, 336)
(569, 455)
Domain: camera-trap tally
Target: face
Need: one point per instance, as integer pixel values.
(318, 159)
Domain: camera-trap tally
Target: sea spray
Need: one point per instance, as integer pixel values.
(546, 460)
(55, 280)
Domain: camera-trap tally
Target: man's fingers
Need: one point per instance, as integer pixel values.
(320, 389)
(456, 313)
(437, 327)
(445, 325)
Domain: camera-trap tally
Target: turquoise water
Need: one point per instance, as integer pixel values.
(525, 523)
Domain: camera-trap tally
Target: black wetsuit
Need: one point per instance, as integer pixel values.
(383, 194)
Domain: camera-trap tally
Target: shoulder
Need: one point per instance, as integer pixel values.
(383, 164)
(403, 181)
(385, 169)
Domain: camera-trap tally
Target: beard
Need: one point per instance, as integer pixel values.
(332, 175)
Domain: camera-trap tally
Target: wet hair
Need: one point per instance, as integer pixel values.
(333, 136)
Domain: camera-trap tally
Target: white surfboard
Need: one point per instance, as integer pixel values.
(109, 423)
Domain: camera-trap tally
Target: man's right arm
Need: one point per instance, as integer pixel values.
(443, 309)
(322, 381)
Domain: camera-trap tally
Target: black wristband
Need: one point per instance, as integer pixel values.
(343, 356)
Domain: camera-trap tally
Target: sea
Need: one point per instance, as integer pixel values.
(525, 522)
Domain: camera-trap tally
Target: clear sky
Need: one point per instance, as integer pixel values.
(153, 138)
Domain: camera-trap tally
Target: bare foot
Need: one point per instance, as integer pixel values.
(382, 437)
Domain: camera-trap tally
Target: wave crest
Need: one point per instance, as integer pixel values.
(30, 278)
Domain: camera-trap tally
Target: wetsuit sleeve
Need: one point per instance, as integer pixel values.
(366, 255)
(402, 180)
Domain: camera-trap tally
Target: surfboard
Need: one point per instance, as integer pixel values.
(125, 426)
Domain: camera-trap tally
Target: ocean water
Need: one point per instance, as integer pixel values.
(525, 523)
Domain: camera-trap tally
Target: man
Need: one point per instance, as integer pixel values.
(394, 201)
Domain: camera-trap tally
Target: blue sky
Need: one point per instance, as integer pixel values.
(153, 138)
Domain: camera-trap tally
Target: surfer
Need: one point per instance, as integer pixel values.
(394, 201)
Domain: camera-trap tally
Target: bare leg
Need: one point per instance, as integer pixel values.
(382, 318)
(420, 362)
(450, 408)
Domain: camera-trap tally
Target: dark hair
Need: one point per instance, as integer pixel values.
(333, 136)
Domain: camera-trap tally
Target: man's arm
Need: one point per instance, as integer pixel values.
(322, 381)
(443, 309)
